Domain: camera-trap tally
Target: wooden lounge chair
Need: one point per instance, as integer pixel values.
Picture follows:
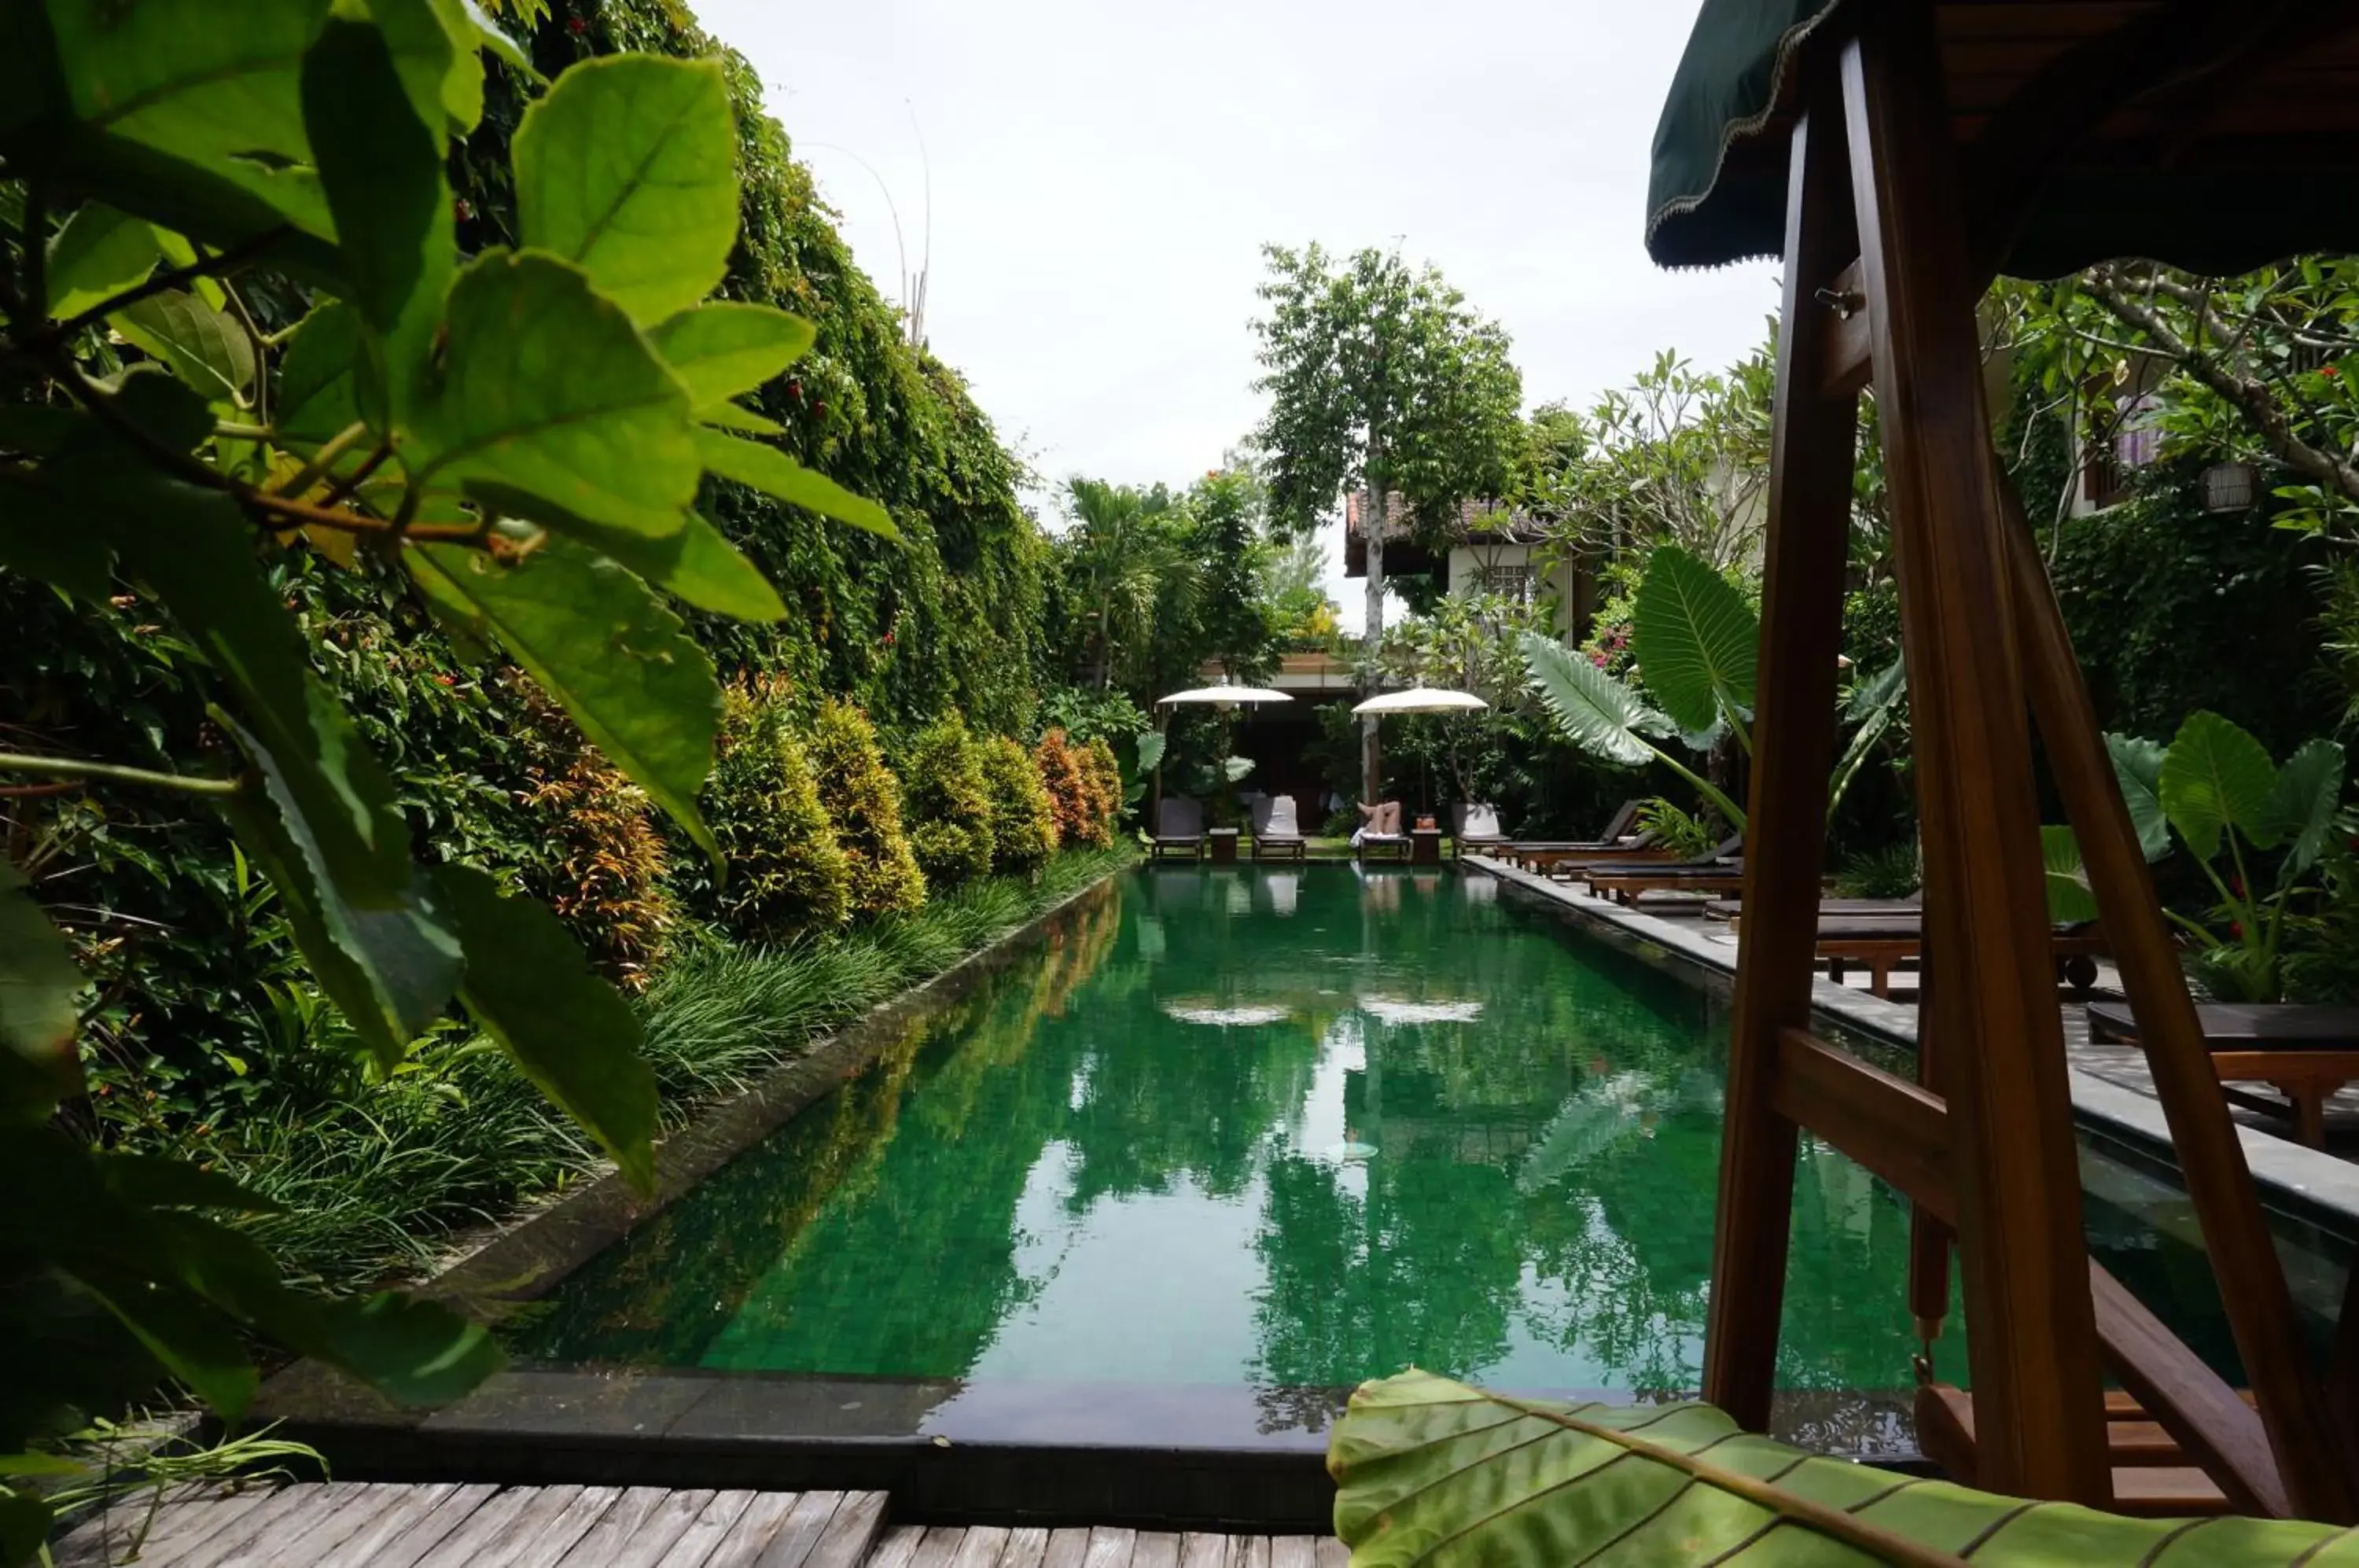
(1475, 828)
(1380, 836)
(1721, 871)
(2305, 1051)
(1734, 909)
(1883, 942)
(1277, 834)
(1620, 836)
(1179, 830)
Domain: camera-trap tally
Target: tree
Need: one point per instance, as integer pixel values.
(1124, 563)
(788, 876)
(1381, 379)
(1023, 818)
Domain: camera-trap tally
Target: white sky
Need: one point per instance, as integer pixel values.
(1104, 174)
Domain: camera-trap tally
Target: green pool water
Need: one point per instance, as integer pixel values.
(1269, 1126)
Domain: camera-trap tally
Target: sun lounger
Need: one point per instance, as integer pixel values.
(1477, 829)
(1179, 830)
(1883, 942)
(1380, 837)
(2303, 1051)
(1734, 909)
(1620, 836)
(1625, 881)
(1277, 834)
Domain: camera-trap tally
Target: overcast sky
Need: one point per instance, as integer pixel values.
(1103, 174)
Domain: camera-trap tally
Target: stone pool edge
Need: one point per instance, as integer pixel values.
(2305, 1183)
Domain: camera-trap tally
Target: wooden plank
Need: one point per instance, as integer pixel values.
(1252, 1551)
(1155, 1549)
(366, 1545)
(405, 1550)
(1294, 1551)
(1811, 441)
(2214, 1428)
(981, 1548)
(1843, 356)
(1893, 1127)
(939, 1548)
(1333, 1553)
(707, 1530)
(651, 1540)
(552, 1517)
(2016, 1176)
(1110, 1549)
(584, 1515)
(747, 1539)
(898, 1544)
(1026, 1548)
(850, 1533)
(283, 1513)
(317, 1527)
(800, 1532)
(1200, 1550)
(98, 1541)
(2316, 1471)
(1067, 1548)
(476, 1539)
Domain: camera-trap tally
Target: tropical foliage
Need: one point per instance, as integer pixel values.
(1023, 819)
(949, 804)
(1429, 1470)
(788, 873)
(863, 799)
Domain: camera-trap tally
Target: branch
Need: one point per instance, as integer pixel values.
(2250, 398)
(74, 767)
(42, 339)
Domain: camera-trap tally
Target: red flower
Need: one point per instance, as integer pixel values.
(463, 209)
(888, 639)
(2236, 930)
(795, 390)
(448, 679)
(576, 26)
(2328, 370)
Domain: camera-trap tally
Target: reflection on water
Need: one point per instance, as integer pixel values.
(1289, 1128)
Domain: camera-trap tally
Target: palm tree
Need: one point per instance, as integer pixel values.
(1127, 564)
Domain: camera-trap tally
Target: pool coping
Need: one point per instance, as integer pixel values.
(2305, 1183)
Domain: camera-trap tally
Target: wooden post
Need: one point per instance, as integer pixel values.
(2311, 1456)
(2032, 1334)
(1802, 633)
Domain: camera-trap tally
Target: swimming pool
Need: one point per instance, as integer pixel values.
(1281, 1127)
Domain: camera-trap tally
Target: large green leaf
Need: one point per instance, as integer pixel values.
(1874, 706)
(774, 474)
(382, 169)
(547, 391)
(724, 347)
(1695, 638)
(1593, 711)
(317, 396)
(2215, 776)
(97, 255)
(629, 166)
(42, 535)
(2301, 809)
(596, 639)
(2071, 900)
(169, 79)
(1431, 1472)
(39, 986)
(697, 564)
(205, 347)
(413, 1352)
(2137, 765)
(528, 985)
(436, 48)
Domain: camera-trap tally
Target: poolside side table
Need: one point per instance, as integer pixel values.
(1224, 845)
(1425, 846)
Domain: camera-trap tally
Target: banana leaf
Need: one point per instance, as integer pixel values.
(1432, 1472)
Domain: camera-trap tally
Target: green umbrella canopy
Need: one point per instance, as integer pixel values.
(2086, 131)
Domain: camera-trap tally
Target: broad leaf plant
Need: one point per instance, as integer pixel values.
(520, 434)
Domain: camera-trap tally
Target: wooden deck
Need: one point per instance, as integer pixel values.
(446, 1524)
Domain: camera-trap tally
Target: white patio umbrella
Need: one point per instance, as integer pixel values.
(1223, 696)
(1422, 700)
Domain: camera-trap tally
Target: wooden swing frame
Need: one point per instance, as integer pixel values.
(1882, 278)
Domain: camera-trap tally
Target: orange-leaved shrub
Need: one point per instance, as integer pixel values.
(1102, 774)
(787, 874)
(863, 799)
(948, 804)
(1023, 818)
(1077, 822)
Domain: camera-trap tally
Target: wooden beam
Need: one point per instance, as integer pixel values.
(1895, 1129)
(2220, 1185)
(1801, 634)
(2015, 1163)
(1845, 355)
(2214, 1427)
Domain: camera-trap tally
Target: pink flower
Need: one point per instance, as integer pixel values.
(1598, 659)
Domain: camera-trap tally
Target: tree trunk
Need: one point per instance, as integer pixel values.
(1371, 526)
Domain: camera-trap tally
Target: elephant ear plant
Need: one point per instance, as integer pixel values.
(1435, 1474)
(1696, 641)
(2215, 788)
(518, 437)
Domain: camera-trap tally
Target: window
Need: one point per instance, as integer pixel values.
(2133, 442)
(1515, 583)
